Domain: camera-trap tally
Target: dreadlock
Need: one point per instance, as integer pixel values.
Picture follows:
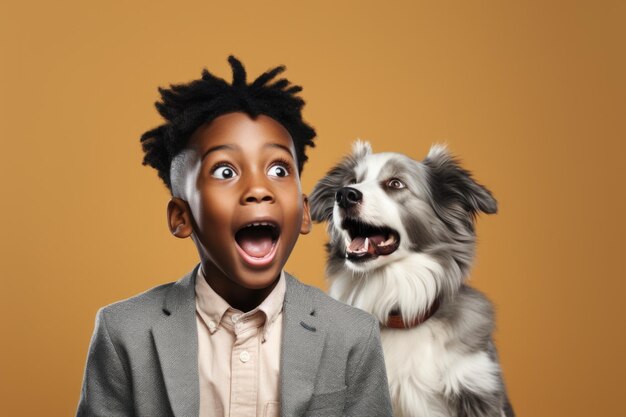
(186, 107)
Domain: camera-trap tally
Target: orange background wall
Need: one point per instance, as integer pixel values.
(530, 96)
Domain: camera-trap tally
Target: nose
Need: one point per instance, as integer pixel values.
(256, 194)
(347, 197)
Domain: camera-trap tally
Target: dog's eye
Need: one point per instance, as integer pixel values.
(395, 183)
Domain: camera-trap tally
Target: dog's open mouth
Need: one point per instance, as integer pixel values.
(369, 242)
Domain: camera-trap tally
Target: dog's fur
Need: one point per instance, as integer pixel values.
(446, 366)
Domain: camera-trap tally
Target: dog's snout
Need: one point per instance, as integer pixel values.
(347, 197)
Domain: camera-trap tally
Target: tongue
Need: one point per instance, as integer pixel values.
(377, 239)
(255, 242)
(368, 244)
(357, 244)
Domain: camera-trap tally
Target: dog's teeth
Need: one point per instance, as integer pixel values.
(389, 241)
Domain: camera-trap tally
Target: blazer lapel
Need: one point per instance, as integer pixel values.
(302, 344)
(176, 340)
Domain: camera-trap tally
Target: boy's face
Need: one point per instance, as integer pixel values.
(241, 199)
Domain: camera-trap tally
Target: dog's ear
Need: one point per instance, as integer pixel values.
(360, 149)
(322, 198)
(457, 196)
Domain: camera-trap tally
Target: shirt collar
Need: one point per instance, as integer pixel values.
(213, 308)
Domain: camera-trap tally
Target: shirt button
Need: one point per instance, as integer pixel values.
(244, 356)
(212, 325)
(235, 318)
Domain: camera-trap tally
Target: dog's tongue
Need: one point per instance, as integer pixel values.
(361, 244)
(377, 239)
(255, 241)
(358, 244)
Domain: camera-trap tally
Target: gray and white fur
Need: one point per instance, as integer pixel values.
(446, 366)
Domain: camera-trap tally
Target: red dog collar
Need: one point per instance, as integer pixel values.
(394, 320)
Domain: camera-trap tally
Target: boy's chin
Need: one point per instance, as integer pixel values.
(258, 280)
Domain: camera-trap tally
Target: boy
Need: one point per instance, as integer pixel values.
(236, 336)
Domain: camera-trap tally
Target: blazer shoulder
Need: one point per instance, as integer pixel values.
(342, 317)
(141, 301)
(135, 313)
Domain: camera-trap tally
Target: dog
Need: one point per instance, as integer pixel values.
(401, 245)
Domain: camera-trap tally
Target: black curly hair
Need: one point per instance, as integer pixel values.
(186, 107)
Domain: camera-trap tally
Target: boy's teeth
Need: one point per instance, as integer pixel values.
(259, 224)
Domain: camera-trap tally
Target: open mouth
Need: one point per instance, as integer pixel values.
(367, 241)
(257, 242)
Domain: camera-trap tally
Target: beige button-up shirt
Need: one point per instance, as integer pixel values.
(238, 354)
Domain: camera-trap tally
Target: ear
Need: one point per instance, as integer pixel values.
(361, 148)
(305, 228)
(323, 194)
(322, 200)
(454, 190)
(179, 218)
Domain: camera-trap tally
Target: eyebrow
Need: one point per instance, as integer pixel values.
(278, 145)
(236, 148)
(218, 148)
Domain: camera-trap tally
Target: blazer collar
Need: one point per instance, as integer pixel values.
(176, 340)
(302, 344)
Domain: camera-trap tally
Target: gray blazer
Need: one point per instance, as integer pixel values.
(143, 356)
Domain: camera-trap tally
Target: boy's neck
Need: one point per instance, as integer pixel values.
(238, 297)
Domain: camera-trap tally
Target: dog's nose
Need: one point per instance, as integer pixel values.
(347, 197)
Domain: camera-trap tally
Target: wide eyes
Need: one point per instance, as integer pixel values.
(224, 172)
(395, 183)
(277, 171)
